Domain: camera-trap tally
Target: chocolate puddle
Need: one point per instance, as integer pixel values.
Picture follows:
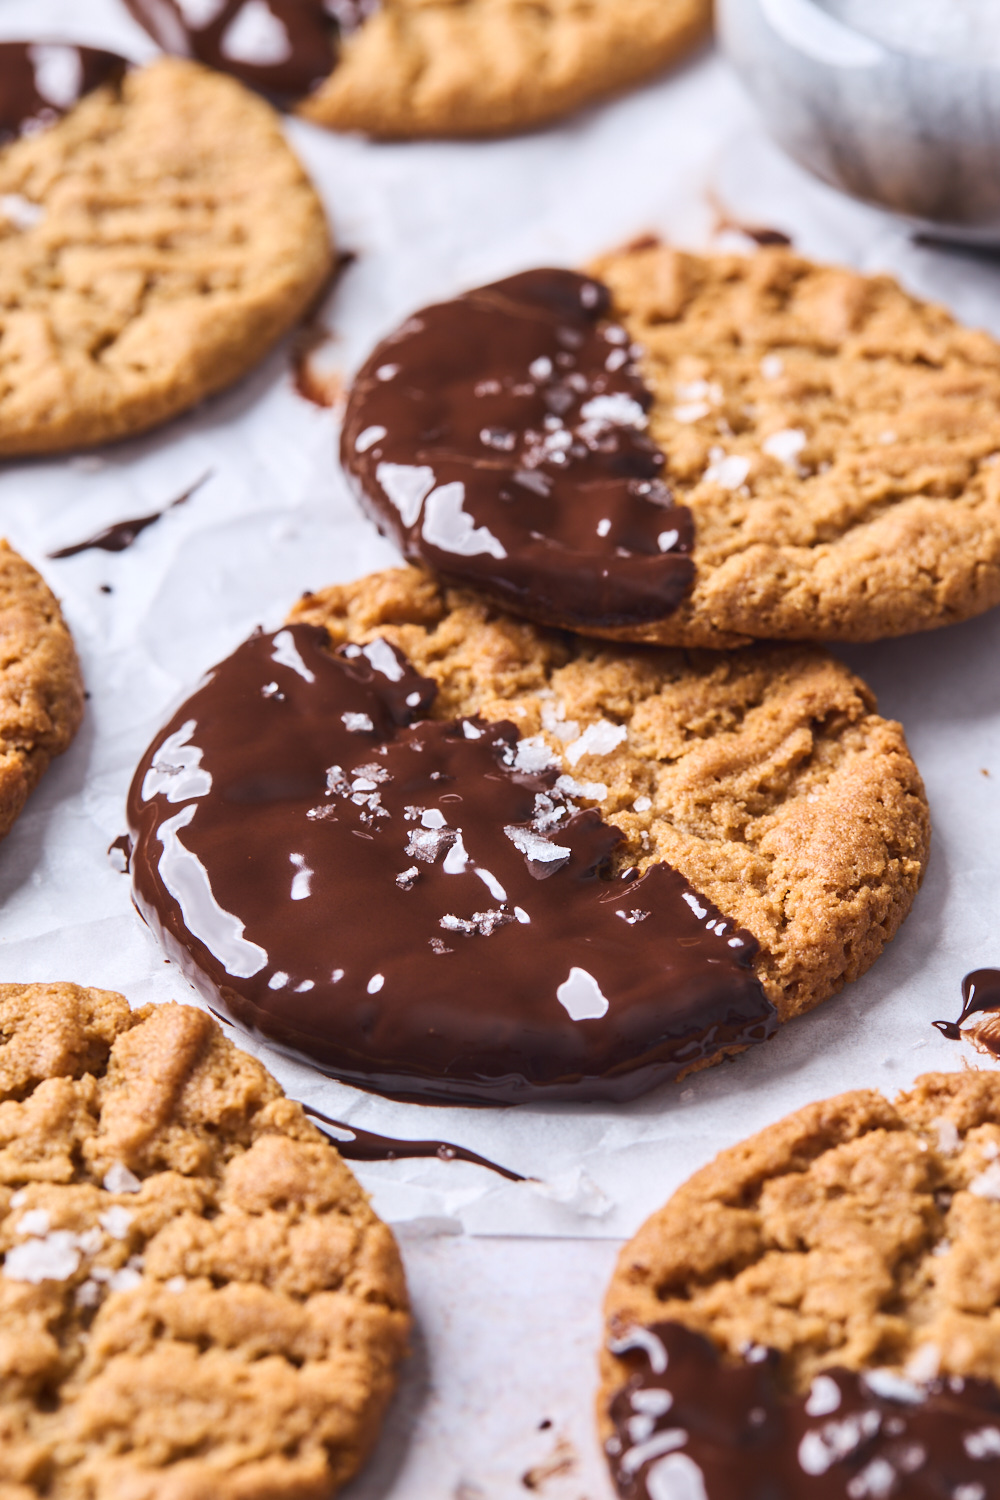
(40, 81)
(121, 534)
(500, 439)
(283, 48)
(980, 996)
(688, 1427)
(365, 1145)
(418, 907)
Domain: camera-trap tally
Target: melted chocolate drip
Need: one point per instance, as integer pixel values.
(764, 236)
(499, 439)
(283, 48)
(419, 907)
(365, 1145)
(980, 993)
(122, 846)
(120, 536)
(688, 1426)
(39, 81)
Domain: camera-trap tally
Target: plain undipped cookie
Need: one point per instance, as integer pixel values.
(765, 777)
(41, 692)
(481, 67)
(163, 237)
(836, 439)
(855, 1233)
(197, 1300)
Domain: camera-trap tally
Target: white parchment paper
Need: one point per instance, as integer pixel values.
(274, 517)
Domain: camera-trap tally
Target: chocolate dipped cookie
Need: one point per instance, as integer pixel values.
(197, 1299)
(397, 68)
(446, 854)
(158, 237)
(815, 1314)
(691, 450)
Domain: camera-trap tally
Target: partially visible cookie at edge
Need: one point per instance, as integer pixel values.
(184, 237)
(403, 68)
(765, 777)
(420, 67)
(197, 1299)
(41, 691)
(857, 1235)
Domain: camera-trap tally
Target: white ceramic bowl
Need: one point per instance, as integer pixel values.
(894, 101)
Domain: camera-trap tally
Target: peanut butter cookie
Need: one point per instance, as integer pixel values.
(41, 694)
(157, 239)
(432, 67)
(819, 1308)
(691, 450)
(636, 860)
(197, 1299)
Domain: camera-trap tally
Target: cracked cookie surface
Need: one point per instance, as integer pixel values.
(836, 440)
(481, 67)
(41, 692)
(856, 1233)
(197, 1299)
(765, 776)
(169, 237)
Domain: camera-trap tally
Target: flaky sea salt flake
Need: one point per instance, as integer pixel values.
(54, 1258)
(36, 1221)
(535, 848)
(785, 445)
(728, 471)
(599, 738)
(616, 409)
(117, 1221)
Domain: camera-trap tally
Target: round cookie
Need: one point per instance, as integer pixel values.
(819, 1308)
(183, 237)
(637, 861)
(432, 67)
(197, 1299)
(827, 450)
(41, 692)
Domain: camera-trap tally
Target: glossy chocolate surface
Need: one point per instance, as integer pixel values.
(355, 1144)
(39, 81)
(115, 538)
(500, 439)
(688, 1427)
(418, 907)
(980, 997)
(120, 535)
(283, 48)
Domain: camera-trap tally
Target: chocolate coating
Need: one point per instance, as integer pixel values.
(282, 48)
(120, 535)
(500, 440)
(39, 81)
(980, 996)
(418, 907)
(355, 1144)
(694, 1429)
